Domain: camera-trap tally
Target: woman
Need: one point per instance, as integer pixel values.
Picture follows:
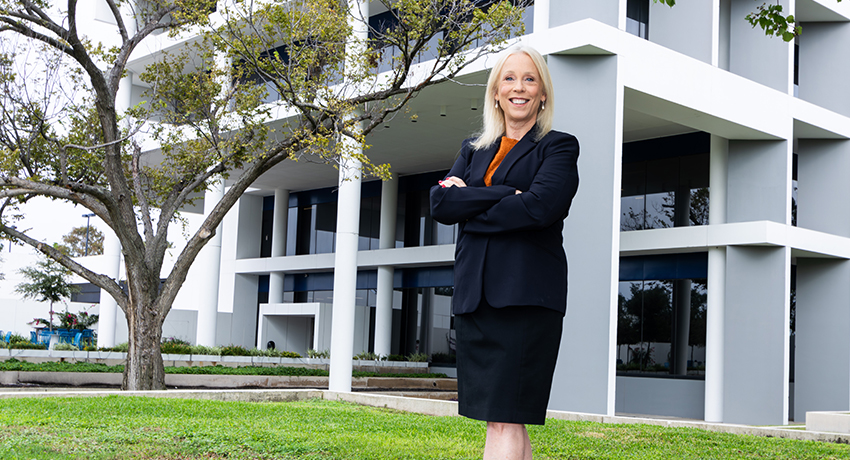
(510, 190)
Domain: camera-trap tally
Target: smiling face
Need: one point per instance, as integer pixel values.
(519, 94)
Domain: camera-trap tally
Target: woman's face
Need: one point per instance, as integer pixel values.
(520, 90)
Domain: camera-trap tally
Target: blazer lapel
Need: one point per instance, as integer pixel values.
(481, 160)
(525, 145)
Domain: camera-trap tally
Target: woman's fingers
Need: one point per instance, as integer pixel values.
(452, 181)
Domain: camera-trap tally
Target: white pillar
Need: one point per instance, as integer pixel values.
(347, 226)
(209, 262)
(541, 15)
(384, 305)
(716, 302)
(345, 275)
(108, 306)
(279, 222)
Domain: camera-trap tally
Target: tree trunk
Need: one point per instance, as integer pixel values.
(144, 369)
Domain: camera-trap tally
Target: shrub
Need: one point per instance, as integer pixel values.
(324, 354)
(175, 349)
(202, 350)
(367, 356)
(274, 353)
(417, 358)
(395, 358)
(15, 338)
(120, 348)
(234, 350)
(26, 346)
(65, 347)
(175, 346)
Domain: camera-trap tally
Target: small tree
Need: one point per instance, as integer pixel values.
(48, 282)
(81, 241)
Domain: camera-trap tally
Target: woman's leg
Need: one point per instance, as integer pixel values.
(507, 441)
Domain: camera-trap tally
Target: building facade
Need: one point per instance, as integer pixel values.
(709, 273)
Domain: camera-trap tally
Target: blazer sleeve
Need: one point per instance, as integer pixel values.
(547, 200)
(451, 205)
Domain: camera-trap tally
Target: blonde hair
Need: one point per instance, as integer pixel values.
(494, 117)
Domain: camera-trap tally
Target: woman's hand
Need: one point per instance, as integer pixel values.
(452, 181)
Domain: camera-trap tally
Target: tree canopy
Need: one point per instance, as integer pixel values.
(81, 241)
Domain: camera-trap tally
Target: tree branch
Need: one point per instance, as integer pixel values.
(104, 282)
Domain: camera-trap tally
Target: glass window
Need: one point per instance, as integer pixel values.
(304, 232)
(266, 227)
(661, 327)
(325, 228)
(415, 225)
(370, 223)
(671, 191)
(794, 184)
(637, 18)
(292, 231)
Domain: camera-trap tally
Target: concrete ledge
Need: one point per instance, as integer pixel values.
(62, 378)
(79, 379)
(834, 422)
(114, 358)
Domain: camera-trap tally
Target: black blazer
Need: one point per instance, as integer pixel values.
(510, 247)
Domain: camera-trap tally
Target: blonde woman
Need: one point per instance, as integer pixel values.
(510, 191)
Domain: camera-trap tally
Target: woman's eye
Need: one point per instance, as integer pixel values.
(509, 78)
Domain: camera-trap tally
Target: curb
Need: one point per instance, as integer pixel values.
(79, 379)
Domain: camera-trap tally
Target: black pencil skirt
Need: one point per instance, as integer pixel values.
(505, 361)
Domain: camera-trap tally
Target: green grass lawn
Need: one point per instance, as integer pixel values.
(118, 427)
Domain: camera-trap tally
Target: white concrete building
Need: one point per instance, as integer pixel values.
(690, 247)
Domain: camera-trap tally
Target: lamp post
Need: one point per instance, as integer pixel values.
(88, 219)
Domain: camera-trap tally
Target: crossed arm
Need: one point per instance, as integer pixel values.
(502, 208)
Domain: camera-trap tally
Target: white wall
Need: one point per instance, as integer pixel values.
(661, 396)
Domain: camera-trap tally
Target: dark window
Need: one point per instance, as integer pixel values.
(637, 18)
(267, 227)
(370, 223)
(794, 184)
(796, 66)
(665, 183)
(661, 315)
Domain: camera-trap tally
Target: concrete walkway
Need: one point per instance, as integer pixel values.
(425, 406)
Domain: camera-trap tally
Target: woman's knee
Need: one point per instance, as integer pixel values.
(500, 427)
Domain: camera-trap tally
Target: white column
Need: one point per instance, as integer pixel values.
(345, 275)
(586, 381)
(541, 15)
(384, 305)
(347, 229)
(108, 306)
(279, 222)
(209, 262)
(714, 334)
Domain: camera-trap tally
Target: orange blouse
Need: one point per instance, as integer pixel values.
(504, 147)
